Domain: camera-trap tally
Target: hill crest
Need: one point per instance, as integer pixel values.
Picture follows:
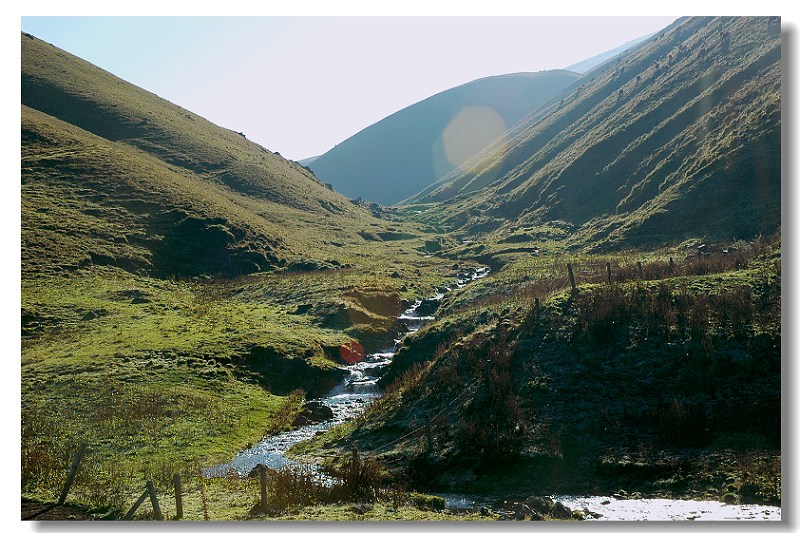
(405, 152)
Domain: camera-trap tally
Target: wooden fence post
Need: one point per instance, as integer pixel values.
(641, 269)
(262, 476)
(537, 304)
(671, 265)
(136, 505)
(356, 466)
(176, 481)
(608, 270)
(571, 277)
(154, 500)
(72, 472)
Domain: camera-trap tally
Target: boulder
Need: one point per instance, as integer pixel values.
(561, 511)
(428, 307)
(312, 413)
(317, 411)
(541, 504)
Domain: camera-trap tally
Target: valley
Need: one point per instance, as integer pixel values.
(589, 306)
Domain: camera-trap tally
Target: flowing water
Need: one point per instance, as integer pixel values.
(347, 400)
(658, 509)
(359, 389)
(607, 508)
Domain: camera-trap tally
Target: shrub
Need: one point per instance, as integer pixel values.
(493, 426)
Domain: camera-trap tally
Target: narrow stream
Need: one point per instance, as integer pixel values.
(347, 400)
(359, 389)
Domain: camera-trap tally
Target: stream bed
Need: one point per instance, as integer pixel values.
(347, 400)
(659, 509)
(608, 508)
(359, 389)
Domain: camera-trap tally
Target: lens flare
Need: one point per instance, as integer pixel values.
(469, 132)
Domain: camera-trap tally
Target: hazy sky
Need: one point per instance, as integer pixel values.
(299, 85)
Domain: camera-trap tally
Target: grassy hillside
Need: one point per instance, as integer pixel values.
(679, 138)
(77, 92)
(407, 151)
(182, 287)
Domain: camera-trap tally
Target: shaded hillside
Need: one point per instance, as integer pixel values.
(407, 151)
(664, 380)
(680, 138)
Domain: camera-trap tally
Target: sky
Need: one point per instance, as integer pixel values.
(300, 85)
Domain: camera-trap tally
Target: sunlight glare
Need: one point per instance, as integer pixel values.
(469, 131)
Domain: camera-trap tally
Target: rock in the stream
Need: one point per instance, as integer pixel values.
(591, 514)
(428, 307)
(313, 412)
(541, 504)
(535, 508)
(561, 511)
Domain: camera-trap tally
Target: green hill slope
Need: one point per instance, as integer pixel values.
(181, 286)
(89, 201)
(79, 93)
(407, 151)
(173, 193)
(678, 139)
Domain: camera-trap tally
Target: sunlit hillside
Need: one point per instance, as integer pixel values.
(679, 138)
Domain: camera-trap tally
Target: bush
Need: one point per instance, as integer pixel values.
(493, 426)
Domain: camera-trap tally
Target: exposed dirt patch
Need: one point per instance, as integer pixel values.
(35, 510)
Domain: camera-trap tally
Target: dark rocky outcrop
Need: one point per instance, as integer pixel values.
(311, 413)
(281, 373)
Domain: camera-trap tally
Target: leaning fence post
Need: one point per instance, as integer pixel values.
(136, 505)
(72, 472)
(262, 476)
(176, 481)
(571, 277)
(154, 500)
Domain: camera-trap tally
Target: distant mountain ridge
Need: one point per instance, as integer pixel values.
(679, 138)
(402, 154)
(582, 67)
